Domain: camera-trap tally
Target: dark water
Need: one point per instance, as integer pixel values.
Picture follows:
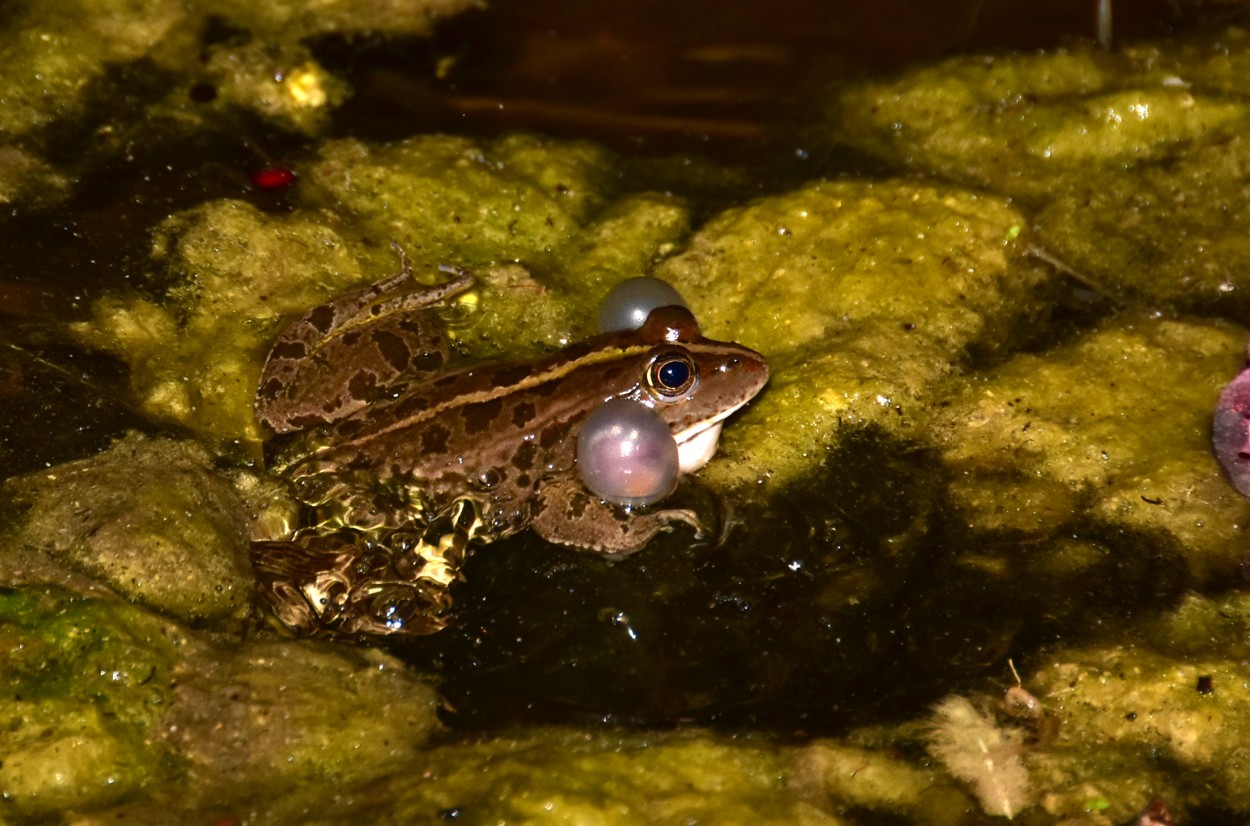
(728, 79)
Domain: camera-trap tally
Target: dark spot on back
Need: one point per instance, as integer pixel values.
(523, 459)
(413, 325)
(393, 348)
(321, 318)
(509, 374)
(434, 439)
(427, 361)
(545, 388)
(577, 350)
(271, 388)
(364, 386)
(522, 413)
(347, 428)
(305, 421)
(288, 350)
(551, 436)
(480, 416)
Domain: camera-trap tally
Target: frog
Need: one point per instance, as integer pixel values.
(404, 458)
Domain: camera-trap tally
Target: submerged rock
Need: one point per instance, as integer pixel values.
(104, 701)
(1104, 436)
(147, 518)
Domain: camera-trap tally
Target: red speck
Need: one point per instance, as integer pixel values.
(273, 177)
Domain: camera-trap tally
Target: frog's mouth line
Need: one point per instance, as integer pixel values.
(696, 445)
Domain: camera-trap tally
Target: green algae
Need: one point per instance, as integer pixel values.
(269, 718)
(1133, 723)
(863, 296)
(54, 53)
(148, 519)
(1129, 160)
(104, 700)
(1021, 123)
(84, 683)
(70, 65)
(553, 775)
(195, 356)
(1114, 425)
(602, 779)
(26, 178)
(1168, 235)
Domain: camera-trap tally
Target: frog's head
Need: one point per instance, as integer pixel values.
(693, 382)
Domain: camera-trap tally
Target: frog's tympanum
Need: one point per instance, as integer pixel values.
(403, 460)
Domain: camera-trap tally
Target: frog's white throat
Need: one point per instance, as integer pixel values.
(696, 449)
(697, 444)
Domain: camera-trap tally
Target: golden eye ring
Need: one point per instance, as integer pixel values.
(671, 374)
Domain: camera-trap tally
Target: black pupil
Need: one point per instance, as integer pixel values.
(673, 374)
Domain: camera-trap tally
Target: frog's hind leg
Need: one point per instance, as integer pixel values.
(354, 350)
(322, 585)
(320, 589)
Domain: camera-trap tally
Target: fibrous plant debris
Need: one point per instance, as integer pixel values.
(976, 750)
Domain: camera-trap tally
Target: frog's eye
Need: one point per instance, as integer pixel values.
(671, 374)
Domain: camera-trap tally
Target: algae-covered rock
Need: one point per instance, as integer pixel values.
(1169, 234)
(55, 55)
(574, 777)
(51, 53)
(1113, 428)
(284, 85)
(85, 682)
(1134, 724)
(876, 779)
(863, 296)
(1019, 123)
(149, 519)
(266, 718)
(545, 206)
(118, 81)
(1131, 159)
(104, 700)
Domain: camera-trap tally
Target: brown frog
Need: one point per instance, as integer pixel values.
(404, 461)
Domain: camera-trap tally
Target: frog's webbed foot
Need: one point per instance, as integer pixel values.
(328, 585)
(568, 514)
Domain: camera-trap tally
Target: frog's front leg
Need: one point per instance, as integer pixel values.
(354, 350)
(567, 514)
